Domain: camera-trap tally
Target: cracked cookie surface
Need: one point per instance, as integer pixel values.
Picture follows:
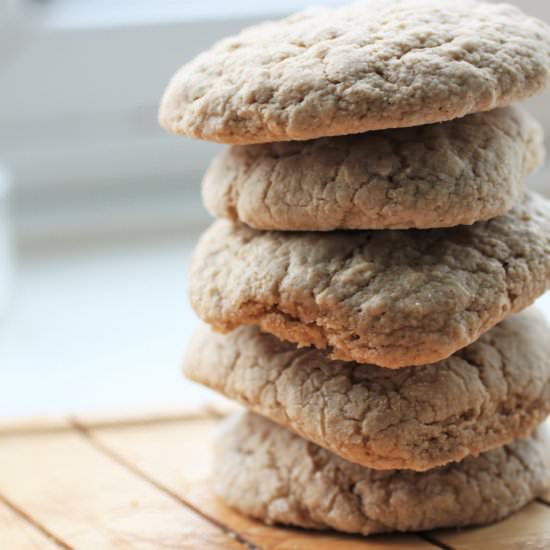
(392, 298)
(438, 175)
(267, 472)
(335, 71)
(484, 396)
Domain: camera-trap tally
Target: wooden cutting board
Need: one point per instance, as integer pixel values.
(143, 484)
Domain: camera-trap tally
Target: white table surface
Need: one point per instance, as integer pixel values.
(103, 329)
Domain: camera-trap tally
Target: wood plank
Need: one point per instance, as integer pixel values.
(281, 538)
(17, 533)
(529, 528)
(33, 425)
(178, 456)
(178, 453)
(89, 501)
(217, 409)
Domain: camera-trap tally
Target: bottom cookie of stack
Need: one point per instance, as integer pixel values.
(269, 473)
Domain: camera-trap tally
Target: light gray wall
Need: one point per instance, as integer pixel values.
(78, 114)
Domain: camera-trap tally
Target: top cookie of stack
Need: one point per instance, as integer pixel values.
(328, 72)
(383, 65)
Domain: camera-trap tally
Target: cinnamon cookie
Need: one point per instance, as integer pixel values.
(438, 175)
(367, 66)
(267, 472)
(484, 396)
(392, 298)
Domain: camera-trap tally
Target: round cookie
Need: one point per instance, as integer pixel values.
(438, 175)
(392, 298)
(383, 64)
(484, 396)
(267, 472)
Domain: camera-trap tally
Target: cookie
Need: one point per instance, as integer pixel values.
(438, 175)
(376, 65)
(267, 472)
(392, 298)
(484, 396)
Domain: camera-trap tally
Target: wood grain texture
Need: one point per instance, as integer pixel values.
(174, 454)
(529, 528)
(19, 534)
(178, 456)
(123, 484)
(34, 425)
(278, 538)
(89, 501)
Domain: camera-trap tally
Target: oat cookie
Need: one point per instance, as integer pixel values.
(367, 66)
(484, 396)
(438, 175)
(267, 472)
(392, 298)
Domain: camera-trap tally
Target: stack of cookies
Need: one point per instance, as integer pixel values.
(374, 251)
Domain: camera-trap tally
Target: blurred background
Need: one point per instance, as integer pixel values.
(99, 208)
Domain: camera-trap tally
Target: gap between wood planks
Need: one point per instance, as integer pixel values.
(213, 411)
(85, 432)
(432, 540)
(34, 523)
